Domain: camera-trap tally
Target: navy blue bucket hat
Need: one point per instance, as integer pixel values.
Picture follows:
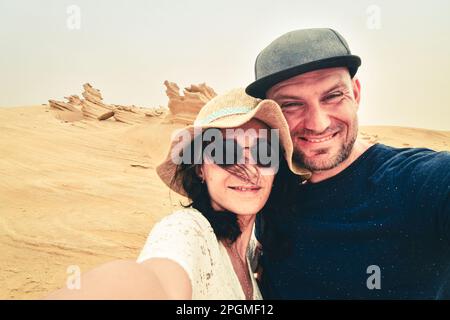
(298, 52)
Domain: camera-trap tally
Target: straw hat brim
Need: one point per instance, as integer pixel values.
(266, 111)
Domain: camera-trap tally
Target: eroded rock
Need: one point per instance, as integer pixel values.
(93, 107)
(184, 108)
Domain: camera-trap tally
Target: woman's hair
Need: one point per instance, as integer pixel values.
(225, 223)
(275, 241)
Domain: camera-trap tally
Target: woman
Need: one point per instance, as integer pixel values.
(202, 251)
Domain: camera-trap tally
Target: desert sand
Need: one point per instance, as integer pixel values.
(75, 190)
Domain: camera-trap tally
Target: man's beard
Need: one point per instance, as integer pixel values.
(302, 160)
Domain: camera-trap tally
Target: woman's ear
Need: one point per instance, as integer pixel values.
(199, 172)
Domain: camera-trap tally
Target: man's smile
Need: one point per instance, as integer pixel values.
(316, 139)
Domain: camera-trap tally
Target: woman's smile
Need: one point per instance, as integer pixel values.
(245, 189)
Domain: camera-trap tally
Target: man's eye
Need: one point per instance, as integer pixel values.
(333, 96)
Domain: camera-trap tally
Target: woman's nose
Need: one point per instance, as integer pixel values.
(250, 163)
(248, 156)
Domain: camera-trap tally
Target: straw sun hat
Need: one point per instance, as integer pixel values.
(230, 110)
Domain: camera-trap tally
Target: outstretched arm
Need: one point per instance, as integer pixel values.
(126, 279)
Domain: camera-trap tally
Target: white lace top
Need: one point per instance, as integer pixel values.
(187, 238)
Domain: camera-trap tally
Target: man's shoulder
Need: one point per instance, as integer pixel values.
(415, 163)
(392, 156)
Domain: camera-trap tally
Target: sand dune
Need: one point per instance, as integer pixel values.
(401, 137)
(76, 193)
(85, 192)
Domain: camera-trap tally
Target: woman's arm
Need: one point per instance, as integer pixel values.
(126, 279)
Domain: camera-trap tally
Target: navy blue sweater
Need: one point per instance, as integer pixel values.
(390, 209)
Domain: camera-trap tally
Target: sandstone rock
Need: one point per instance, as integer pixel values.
(105, 115)
(74, 100)
(66, 111)
(184, 108)
(96, 111)
(155, 112)
(202, 91)
(134, 114)
(128, 114)
(92, 94)
(63, 106)
(93, 107)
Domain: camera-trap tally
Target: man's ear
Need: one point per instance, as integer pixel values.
(356, 90)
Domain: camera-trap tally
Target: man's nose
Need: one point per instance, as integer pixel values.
(316, 119)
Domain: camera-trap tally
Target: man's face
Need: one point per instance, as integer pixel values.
(320, 108)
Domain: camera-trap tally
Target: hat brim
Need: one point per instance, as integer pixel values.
(266, 111)
(259, 88)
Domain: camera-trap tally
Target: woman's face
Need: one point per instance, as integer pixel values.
(230, 192)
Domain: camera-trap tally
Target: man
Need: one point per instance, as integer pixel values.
(372, 221)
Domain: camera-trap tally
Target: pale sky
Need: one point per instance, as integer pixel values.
(128, 48)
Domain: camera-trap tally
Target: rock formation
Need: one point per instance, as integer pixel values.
(135, 114)
(184, 108)
(70, 110)
(93, 107)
